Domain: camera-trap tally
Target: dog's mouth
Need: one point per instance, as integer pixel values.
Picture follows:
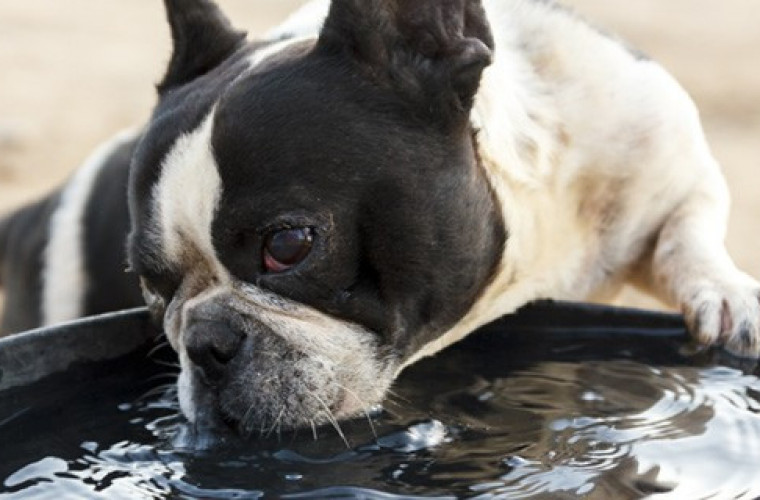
(269, 387)
(216, 425)
(259, 403)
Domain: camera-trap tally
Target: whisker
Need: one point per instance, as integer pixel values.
(279, 431)
(16, 415)
(363, 405)
(313, 429)
(393, 413)
(157, 348)
(332, 420)
(262, 427)
(275, 423)
(370, 422)
(161, 389)
(244, 426)
(396, 395)
(168, 364)
(160, 376)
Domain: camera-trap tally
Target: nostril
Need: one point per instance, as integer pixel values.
(224, 345)
(211, 345)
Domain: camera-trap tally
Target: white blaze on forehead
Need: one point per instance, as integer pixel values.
(65, 276)
(187, 194)
(189, 189)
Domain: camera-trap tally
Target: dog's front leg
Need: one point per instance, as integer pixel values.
(691, 266)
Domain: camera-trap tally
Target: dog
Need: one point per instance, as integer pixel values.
(310, 213)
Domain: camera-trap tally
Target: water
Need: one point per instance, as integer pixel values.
(597, 416)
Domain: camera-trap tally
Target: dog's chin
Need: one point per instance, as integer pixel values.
(242, 409)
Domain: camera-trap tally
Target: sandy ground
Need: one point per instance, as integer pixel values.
(76, 71)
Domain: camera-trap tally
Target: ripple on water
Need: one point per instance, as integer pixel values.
(683, 433)
(597, 429)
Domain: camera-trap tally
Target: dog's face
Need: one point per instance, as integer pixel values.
(308, 214)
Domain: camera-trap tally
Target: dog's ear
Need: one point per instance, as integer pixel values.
(203, 38)
(432, 52)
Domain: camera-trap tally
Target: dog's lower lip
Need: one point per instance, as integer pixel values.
(209, 430)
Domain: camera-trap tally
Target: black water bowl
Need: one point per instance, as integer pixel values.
(559, 401)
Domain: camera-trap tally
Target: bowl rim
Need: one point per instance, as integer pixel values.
(30, 356)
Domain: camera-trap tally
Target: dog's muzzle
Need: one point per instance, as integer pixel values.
(253, 380)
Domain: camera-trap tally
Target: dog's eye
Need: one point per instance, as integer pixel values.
(285, 248)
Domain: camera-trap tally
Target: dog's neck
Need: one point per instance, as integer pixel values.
(517, 150)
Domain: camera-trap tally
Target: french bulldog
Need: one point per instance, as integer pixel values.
(309, 213)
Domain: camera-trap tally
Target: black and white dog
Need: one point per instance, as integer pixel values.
(312, 212)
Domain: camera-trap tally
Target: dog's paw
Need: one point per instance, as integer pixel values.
(727, 313)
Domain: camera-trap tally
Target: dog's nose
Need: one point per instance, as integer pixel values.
(211, 345)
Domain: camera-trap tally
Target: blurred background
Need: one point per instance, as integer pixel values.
(74, 72)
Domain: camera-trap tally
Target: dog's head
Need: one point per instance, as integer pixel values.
(307, 214)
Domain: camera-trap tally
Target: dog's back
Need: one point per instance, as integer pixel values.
(23, 238)
(62, 257)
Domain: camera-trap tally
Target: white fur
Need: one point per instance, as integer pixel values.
(568, 117)
(64, 277)
(187, 194)
(185, 388)
(304, 22)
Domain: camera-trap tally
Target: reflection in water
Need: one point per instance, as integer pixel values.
(631, 429)
(467, 424)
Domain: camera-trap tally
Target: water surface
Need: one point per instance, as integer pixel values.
(526, 415)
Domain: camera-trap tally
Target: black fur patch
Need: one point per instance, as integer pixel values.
(407, 232)
(430, 53)
(202, 38)
(178, 112)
